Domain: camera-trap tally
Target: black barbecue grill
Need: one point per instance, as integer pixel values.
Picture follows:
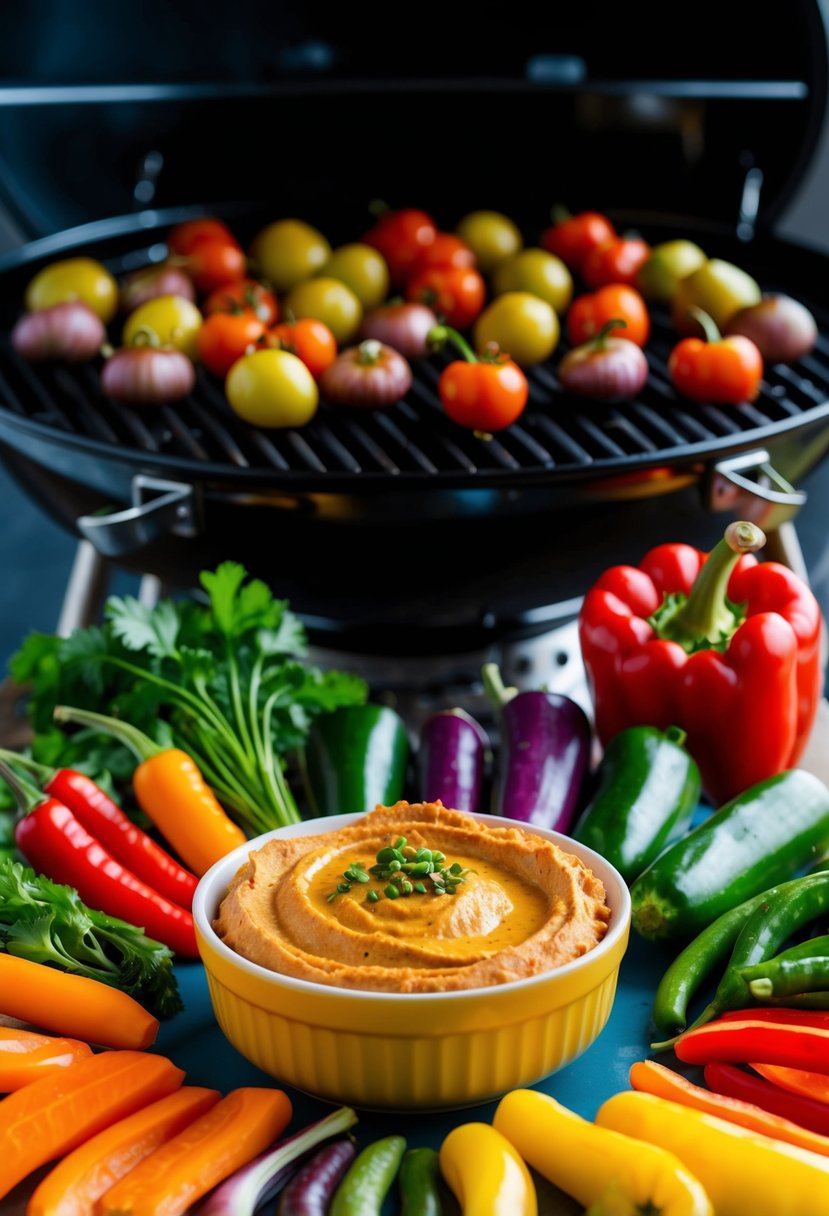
(397, 528)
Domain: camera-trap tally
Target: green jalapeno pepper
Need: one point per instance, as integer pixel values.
(368, 1179)
(355, 759)
(801, 969)
(648, 789)
(419, 1183)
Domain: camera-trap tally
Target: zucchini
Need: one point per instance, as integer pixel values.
(762, 837)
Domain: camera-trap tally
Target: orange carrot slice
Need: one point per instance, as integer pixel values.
(172, 1178)
(654, 1078)
(81, 1178)
(52, 1116)
(26, 1056)
(73, 1005)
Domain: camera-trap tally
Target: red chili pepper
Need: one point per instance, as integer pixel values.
(105, 820)
(57, 845)
(736, 1083)
(796, 1042)
(718, 645)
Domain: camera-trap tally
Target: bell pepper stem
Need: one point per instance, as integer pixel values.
(141, 745)
(705, 614)
(26, 795)
(494, 687)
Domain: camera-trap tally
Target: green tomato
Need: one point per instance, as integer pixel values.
(362, 269)
(272, 388)
(538, 272)
(165, 321)
(668, 264)
(491, 236)
(524, 326)
(289, 251)
(718, 288)
(81, 279)
(327, 300)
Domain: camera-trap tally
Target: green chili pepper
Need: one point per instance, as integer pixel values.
(648, 789)
(419, 1176)
(779, 976)
(355, 759)
(368, 1179)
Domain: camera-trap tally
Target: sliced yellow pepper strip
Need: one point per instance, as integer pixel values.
(742, 1170)
(594, 1164)
(486, 1174)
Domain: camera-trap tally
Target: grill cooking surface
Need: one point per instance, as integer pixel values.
(558, 438)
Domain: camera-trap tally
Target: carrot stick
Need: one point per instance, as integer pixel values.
(53, 1116)
(172, 1178)
(654, 1078)
(26, 1056)
(73, 1005)
(82, 1177)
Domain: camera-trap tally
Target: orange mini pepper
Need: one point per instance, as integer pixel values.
(721, 371)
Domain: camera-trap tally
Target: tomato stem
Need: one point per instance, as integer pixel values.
(369, 352)
(439, 335)
(145, 336)
(708, 324)
(600, 340)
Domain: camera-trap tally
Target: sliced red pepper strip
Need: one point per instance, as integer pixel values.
(802, 1106)
(814, 1085)
(794, 1043)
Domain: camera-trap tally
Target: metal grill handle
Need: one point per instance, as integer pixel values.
(159, 507)
(767, 499)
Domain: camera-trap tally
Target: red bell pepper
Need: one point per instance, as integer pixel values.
(723, 647)
(799, 1040)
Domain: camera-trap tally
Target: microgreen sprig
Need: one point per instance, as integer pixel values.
(406, 871)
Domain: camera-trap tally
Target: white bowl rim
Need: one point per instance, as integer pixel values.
(231, 862)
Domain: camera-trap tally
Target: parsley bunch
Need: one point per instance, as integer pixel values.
(222, 678)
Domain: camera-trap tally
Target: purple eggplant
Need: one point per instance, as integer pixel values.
(450, 759)
(544, 754)
(309, 1192)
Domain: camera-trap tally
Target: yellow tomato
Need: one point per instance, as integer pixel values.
(362, 269)
(272, 388)
(538, 272)
(74, 279)
(289, 251)
(719, 288)
(172, 320)
(668, 264)
(330, 301)
(523, 325)
(491, 236)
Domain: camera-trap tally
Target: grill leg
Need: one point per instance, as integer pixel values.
(85, 590)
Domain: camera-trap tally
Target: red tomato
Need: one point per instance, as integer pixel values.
(484, 396)
(446, 250)
(182, 237)
(456, 293)
(310, 340)
(244, 294)
(225, 337)
(212, 263)
(401, 237)
(616, 261)
(723, 372)
(573, 238)
(588, 314)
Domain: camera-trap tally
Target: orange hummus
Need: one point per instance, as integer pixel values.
(524, 906)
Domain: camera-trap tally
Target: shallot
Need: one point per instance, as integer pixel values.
(782, 329)
(70, 331)
(154, 281)
(147, 375)
(401, 326)
(605, 369)
(370, 375)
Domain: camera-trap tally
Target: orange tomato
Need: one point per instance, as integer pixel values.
(616, 261)
(225, 337)
(571, 239)
(310, 340)
(457, 293)
(588, 314)
(244, 294)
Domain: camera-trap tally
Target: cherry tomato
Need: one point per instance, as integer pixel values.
(81, 279)
(446, 250)
(182, 237)
(363, 269)
(212, 263)
(331, 302)
(538, 272)
(225, 337)
(310, 340)
(719, 288)
(456, 293)
(616, 261)
(520, 323)
(491, 236)
(272, 388)
(289, 251)
(571, 239)
(401, 236)
(722, 371)
(589, 314)
(244, 294)
(167, 320)
(483, 396)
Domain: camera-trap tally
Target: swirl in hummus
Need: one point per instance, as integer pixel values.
(524, 907)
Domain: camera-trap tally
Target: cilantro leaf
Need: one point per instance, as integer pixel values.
(140, 627)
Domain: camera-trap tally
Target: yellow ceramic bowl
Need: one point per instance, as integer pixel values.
(416, 1050)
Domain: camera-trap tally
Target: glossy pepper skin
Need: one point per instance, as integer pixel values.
(355, 759)
(486, 1173)
(745, 694)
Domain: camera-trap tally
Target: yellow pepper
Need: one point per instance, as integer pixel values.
(743, 1171)
(486, 1174)
(595, 1165)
